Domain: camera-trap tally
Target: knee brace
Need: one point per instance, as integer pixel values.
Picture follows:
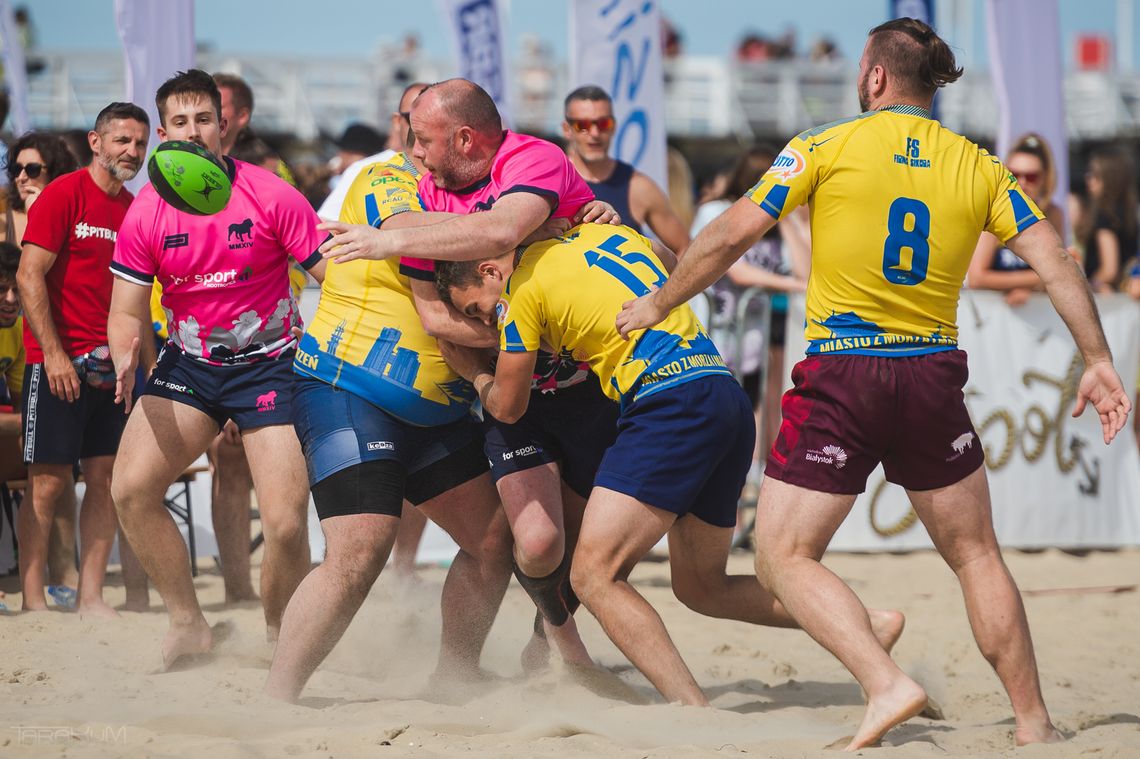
(551, 594)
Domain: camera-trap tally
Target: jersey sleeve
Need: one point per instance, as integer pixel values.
(380, 192)
(295, 224)
(1011, 210)
(521, 319)
(792, 178)
(134, 258)
(52, 217)
(418, 268)
(540, 168)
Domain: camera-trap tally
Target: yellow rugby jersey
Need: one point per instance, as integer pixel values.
(366, 336)
(567, 292)
(12, 358)
(897, 203)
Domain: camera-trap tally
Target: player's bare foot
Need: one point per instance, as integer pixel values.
(535, 656)
(569, 644)
(1024, 735)
(241, 597)
(903, 700)
(887, 625)
(183, 641)
(96, 608)
(31, 604)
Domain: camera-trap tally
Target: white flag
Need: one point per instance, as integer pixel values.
(480, 48)
(158, 42)
(1025, 55)
(616, 45)
(15, 69)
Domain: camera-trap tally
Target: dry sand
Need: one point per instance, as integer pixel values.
(76, 687)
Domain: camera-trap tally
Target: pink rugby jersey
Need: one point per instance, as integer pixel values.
(225, 277)
(522, 164)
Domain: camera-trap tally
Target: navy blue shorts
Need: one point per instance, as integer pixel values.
(339, 430)
(253, 395)
(58, 432)
(686, 449)
(572, 426)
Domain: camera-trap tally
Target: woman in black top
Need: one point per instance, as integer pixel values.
(1107, 231)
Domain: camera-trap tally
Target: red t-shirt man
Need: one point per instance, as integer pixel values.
(74, 219)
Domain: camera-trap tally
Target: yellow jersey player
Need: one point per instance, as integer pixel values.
(684, 441)
(381, 418)
(897, 204)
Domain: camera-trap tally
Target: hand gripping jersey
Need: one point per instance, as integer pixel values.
(366, 336)
(225, 277)
(897, 203)
(568, 291)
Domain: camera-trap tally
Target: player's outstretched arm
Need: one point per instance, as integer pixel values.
(1067, 287)
(708, 257)
(464, 238)
(128, 323)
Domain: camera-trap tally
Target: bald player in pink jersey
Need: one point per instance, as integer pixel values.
(231, 313)
(505, 186)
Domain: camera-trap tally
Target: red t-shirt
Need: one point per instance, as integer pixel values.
(77, 221)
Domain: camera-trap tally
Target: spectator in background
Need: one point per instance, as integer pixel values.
(995, 267)
(672, 43)
(763, 265)
(358, 141)
(34, 160)
(237, 108)
(824, 50)
(76, 140)
(681, 183)
(47, 158)
(753, 48)
(588, 127)
(398, 130)
(255, 150)
(69, 405)
(1107, 230)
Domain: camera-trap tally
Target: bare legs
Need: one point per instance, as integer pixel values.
(793, 528)
(230, 486)
(161, 439)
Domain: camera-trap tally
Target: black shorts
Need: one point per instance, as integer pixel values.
(572, 426)
(255, 394)
(340, 431)
(58, 432)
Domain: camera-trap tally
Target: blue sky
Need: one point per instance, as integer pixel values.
(357, 27)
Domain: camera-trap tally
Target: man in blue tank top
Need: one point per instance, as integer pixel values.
(589, 128)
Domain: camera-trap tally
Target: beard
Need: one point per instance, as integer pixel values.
(864, 90)
(450, 175)
(119, 172)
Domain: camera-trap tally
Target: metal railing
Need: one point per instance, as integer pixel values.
(705, 96)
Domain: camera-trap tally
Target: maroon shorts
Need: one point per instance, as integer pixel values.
(846, 414)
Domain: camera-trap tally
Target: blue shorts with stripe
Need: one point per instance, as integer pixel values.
(686, 449)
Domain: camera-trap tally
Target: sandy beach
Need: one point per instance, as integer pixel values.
(76, 687)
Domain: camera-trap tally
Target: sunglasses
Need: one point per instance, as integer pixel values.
(1027, 176)
(604, 124)
(33, 169)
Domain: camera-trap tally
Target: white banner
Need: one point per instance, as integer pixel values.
(15, 70)
(1053, 481)
(480, 47)
(1025, 61)
(158, 42)
(616, 45)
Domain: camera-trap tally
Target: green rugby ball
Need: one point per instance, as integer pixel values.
(189, 177)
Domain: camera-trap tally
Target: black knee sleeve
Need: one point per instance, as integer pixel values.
(551, 594)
